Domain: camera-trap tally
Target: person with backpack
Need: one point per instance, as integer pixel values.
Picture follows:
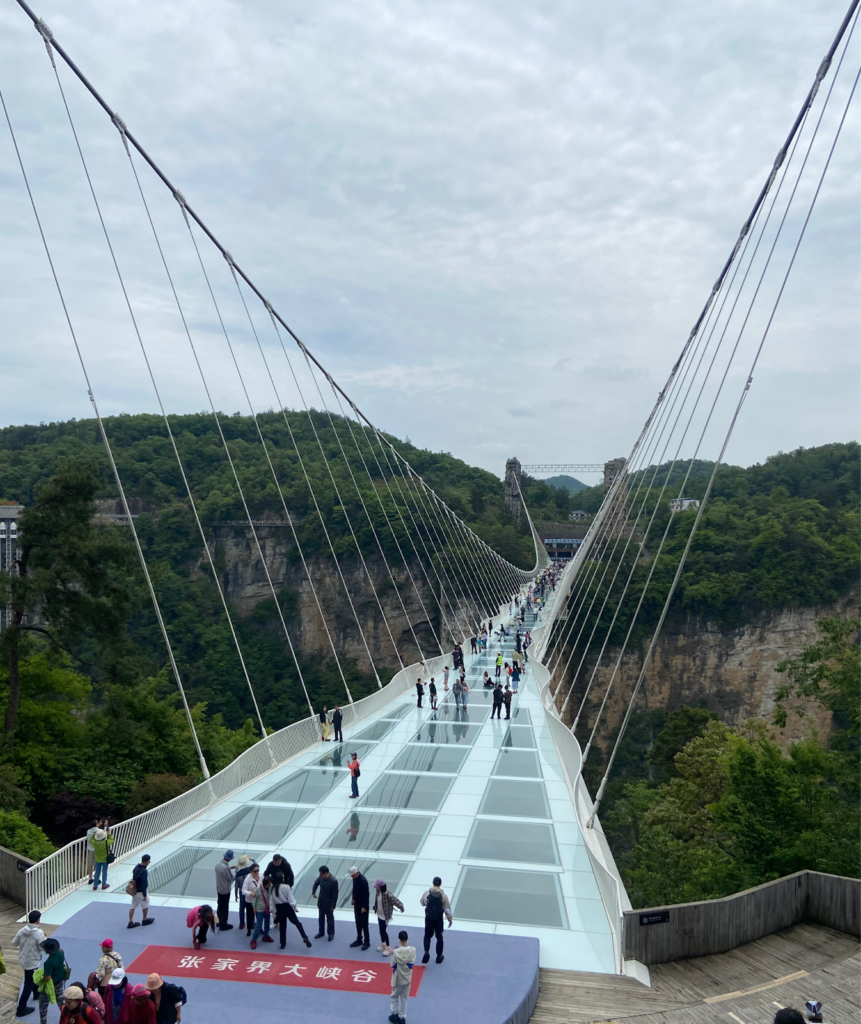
(137, 889)
(285, 909)
(355, 772)
(50, 978)
(200, 920)
(28, 941)
(76, 1009)
(169, 999)
(437, 907)
(109, 961)
(337, 720)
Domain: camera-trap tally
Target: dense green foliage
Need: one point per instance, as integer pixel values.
(699, 810)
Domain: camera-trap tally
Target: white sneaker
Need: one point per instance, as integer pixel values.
(387, 951)
(381, 947)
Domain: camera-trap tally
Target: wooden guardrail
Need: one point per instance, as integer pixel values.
(658, 935)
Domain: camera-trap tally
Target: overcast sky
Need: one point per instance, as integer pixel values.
(495, 223)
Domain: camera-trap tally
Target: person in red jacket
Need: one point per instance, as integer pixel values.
(354, 775)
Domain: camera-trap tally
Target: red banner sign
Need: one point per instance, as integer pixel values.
(263, 968)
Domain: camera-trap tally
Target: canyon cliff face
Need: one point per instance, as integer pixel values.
(731, 672)
(403, 616)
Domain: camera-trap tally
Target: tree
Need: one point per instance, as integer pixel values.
(72, 581)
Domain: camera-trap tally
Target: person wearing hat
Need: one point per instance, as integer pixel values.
(115, 993)
(361, 904)
(76, 1009)
(167, 999)
(223, 887)
(141, 1009)
(243, 869)
(101, 842)
(384, 906)
(52, 979)
(108, 963)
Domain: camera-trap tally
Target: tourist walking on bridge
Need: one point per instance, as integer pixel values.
(437, 907)
(355, 772)
(361, 903)
(384, 907)
(285, 910)
(337, 719)
(53, 977)
(458, 692)
(169, 999)
(432, 692)
(325, 892)
(223, 888)
(137, 889)
(402, 976)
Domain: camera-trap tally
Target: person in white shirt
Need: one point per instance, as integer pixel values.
(403, 959)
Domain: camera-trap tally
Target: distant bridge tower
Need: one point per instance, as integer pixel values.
(512, 487)
(612, 469)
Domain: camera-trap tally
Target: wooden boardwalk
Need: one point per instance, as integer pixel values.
(744, 986)
(10, 982)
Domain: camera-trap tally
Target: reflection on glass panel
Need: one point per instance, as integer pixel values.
(253, 824)
(522, 763)
(374, 732)
(399, 712)
(451, 713)
(392, 872)
(447, 732)
(517, 736)
(305, 787)
(521, 716)
(509, 897)
(394, 833)
(425, 758)
(188, 872)
(522, 841)
(418, 792)
(339, 755)
(515, 798)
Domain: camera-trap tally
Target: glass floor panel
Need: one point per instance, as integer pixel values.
(509, 897)
(519, 736)
(264, 825)
(515, 799)
(397, 713)
(305, 787)
(417, 792)
(521, 716)
(392, 872)
(188, 872)
(430, 759)
(392, 833)
(512, 840)
(452, 713)
(376, 731)
(520, 763)
(339, 755)
(447, 732)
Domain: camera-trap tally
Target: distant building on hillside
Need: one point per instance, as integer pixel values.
(578, 514)
(683, 504)
(10, 550)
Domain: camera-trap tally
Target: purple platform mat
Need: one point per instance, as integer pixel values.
(485, 979)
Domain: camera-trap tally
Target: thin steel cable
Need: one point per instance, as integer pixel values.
(743, 396)
(203, 766)
(193, 503)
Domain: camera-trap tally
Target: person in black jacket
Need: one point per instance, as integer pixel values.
(167, 999)
(279, 866)
(497, 701)
(361, 906)
(337, 718)
(140, 876)
(420, 692)
(327, 901)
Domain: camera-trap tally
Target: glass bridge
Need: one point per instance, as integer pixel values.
(483, 803)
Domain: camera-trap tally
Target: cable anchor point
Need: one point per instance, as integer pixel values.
(120, 126)
(48, 38)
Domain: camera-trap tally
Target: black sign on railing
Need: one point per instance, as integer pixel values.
(656, 917)
(22, 865)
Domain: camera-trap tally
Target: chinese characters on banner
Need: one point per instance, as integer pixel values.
(374, 976)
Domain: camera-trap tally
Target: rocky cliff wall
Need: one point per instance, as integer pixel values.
(732, 672)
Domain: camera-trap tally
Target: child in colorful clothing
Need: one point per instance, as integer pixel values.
(403, 959)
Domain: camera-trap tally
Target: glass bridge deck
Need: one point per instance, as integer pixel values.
(480, 802)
